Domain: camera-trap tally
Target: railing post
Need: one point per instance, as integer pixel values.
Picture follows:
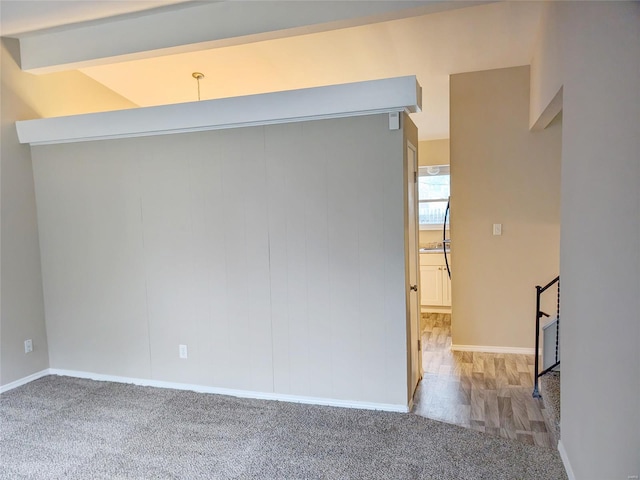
(558, 322)
(536, 391)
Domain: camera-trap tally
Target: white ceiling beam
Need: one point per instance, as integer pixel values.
(197, 26)
(350, 99)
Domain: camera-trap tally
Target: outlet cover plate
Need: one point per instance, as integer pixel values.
(182, 351)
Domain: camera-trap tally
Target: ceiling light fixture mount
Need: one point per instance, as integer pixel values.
(198, 76)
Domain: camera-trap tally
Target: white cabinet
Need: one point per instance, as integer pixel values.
(430, 285)
(435, 285)
(446, 287)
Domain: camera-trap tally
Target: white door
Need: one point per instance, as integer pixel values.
(412, 260)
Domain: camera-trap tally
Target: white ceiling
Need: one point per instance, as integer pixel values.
(21, 16)
(482, 37)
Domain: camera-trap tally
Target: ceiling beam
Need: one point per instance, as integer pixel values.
(204, 25)
(335, 101)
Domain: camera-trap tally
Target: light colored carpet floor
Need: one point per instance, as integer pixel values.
(550, 391)
(60, 427)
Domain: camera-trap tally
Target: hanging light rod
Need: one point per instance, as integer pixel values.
(198, 76)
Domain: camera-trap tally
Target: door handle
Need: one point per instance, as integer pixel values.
(414, 288)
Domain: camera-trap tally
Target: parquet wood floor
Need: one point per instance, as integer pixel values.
(488, 392)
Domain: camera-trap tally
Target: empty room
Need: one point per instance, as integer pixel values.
(310, 239)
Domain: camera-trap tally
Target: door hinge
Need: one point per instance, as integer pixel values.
(419, 345)
(415, 177)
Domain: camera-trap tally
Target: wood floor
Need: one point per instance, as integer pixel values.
(488, 392)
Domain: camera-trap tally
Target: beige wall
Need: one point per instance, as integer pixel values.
(26, 96)
(430, 236)
(598, 45)
(276, 254)
(500, 173)
(433, 152)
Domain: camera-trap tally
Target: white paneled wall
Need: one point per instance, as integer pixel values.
(276, 254)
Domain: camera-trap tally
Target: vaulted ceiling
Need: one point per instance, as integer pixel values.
(431, 46)
(18, 17)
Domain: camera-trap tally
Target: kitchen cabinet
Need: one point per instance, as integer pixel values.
(430, 285)
(435, 285)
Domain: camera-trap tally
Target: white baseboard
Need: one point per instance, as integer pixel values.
(387, 407)
(492, 349)
(24, 380)
(565, 461)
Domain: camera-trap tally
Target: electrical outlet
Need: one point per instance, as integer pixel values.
(182, 351)
(497, 229)
(28, 346)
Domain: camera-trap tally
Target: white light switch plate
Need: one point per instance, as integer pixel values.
(182, 351)
(497, 229)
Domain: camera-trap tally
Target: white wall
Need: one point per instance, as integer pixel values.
(500, 173)
(546, 69)
(22, 310)
(600, 267)
(275, 253)
(25, 97)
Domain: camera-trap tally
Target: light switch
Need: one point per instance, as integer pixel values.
(497, 229)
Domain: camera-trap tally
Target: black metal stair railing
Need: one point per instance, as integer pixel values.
(539, 314)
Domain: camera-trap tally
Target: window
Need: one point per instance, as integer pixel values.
(433, 194)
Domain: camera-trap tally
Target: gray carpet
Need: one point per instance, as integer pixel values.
(550, 391)
(60, 427)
